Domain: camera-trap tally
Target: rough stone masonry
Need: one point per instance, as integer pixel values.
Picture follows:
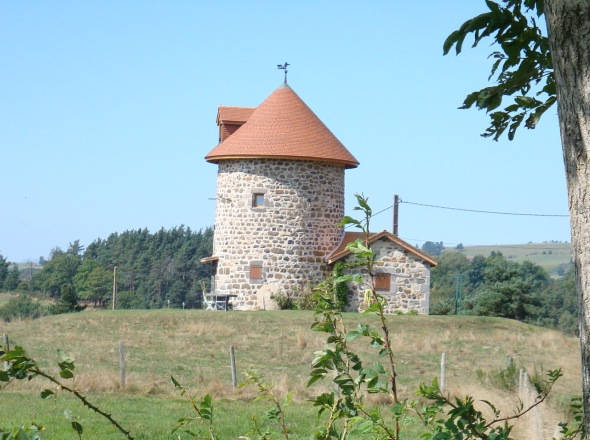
(295, 228)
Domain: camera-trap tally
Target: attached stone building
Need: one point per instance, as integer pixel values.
(401, 272)
(280, 197)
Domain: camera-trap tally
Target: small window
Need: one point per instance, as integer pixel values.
(258, 200)
(382, 282)
(256, 271)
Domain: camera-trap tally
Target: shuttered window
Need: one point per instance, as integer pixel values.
(256, 271)
(382, 282)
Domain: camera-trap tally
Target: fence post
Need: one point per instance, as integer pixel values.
(232, 357)
(122, 362)
(443, 367)
(7, 348)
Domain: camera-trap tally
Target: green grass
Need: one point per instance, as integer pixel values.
(147, 417)
(194, 347)
(548, 255)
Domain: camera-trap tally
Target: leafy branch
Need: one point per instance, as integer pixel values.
(21, 366)
(350, 376)
(204, 410)
(464, 419)
(265, 391)
(523, 59)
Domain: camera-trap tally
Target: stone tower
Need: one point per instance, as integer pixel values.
(280, 197)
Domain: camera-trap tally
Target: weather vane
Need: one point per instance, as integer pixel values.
(283, 67)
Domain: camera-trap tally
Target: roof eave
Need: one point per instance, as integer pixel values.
(395, 239)
(218, 158)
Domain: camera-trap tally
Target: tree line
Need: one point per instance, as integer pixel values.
(163, 269)
(154, 270)
(496, 286)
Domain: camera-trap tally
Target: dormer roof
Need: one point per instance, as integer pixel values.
(282, 127)
(229, 119)
(233, 115)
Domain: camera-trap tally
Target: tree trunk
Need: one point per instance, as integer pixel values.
(568, 24)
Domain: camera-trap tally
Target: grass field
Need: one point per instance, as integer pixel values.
(547, 255)
(194, 347)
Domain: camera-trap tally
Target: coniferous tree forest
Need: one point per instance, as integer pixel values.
(153, 270)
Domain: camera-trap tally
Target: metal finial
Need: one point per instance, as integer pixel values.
(284, 67)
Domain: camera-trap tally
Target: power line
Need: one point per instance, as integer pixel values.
(467, 210)
(481, 211)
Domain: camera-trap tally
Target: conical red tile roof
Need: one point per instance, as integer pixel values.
(283, 126)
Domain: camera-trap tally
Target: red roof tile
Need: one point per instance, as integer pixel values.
(341, 251)
(283, 126)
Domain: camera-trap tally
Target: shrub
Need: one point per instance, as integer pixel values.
(283, 300)
(22, 307)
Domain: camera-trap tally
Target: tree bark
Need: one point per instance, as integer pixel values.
(568, 25)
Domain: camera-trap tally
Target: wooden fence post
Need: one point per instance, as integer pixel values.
(122, 362)
(7, 348)
(443, 367)
(232, 357)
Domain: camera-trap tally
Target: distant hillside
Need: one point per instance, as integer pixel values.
(556, 258)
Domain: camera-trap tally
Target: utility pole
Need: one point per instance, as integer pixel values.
(458, 294)
(114, 286)
(395, 214)
(31, 276)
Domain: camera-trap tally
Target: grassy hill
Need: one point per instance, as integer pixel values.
(549, 255)
(193, 345)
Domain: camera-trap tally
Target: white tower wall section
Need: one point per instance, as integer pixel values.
(275, 221)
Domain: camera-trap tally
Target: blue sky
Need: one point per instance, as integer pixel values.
(107, 109)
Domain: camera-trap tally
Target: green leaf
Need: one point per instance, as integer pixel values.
(77, 427)
(314, 379)
(343, 279)
(363, 202)
(527, 102)
(347, 220)
(66, 373)
(379, 368)
(450, 41)
(352, 335)
(66, 358)
(46, 394)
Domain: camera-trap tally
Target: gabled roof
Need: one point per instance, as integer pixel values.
(233, 115)
(283, 127)
(341, 251)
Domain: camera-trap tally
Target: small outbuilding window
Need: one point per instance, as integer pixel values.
(255, 271)
(258, 200)
(382, 282)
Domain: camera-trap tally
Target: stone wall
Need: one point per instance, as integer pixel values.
(409, 283)
(288, 236)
